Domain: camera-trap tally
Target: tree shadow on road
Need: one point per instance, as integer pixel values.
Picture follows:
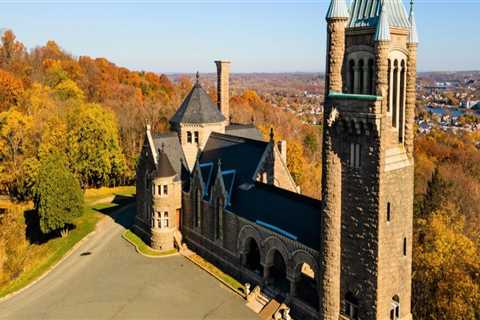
(124, 217)
(34, 234)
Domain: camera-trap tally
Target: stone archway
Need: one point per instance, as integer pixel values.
(276, 276)
(305, 284)
(252, 256)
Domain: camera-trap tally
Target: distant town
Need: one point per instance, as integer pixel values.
(449, 101)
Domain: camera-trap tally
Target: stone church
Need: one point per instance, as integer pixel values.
(227, 194)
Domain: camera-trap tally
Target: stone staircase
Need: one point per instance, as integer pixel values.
(265, 304)
(396, 158)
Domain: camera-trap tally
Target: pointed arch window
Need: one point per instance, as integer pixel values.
(351, 72)
(219, 206)
(198, 208)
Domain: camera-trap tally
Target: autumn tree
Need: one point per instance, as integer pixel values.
(446, 264)
(16, 145)
(58, 196)
(94, 151)
(13, 244)
(11, 90)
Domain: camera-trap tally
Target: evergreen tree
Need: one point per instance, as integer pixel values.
(58, 196)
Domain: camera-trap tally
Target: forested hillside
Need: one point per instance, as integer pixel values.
(93, 113)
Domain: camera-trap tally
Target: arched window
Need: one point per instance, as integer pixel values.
(198, 208)
(395, 309)
(389, 91)
(402, 103)
(371, 76)
(351, 72)
(361, 75)
(219, 218)
(350, 306)
(395, 95)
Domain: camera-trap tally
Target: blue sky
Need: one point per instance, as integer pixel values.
(258, 36)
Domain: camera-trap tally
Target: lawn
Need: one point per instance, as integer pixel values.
(42, 257)
(143, 247)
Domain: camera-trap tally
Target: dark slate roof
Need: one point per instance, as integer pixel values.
(287, 213)
(283, 212)
(235, 153)
(197, 108)
(170, 144)
(249, 131)
(164, 167)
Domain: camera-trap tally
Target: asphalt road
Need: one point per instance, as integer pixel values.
(114, 282)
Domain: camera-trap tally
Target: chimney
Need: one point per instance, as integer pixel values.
(282, 147)
(223, 93)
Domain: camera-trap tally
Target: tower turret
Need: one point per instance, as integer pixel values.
(367, 185)
(337, 17)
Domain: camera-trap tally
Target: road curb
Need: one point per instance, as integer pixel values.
(226, 284)
(144, 254)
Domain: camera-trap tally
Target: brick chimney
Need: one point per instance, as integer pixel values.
(223, 91)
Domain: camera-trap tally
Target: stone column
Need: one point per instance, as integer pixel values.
(335, 54)
(410, 98)
(356, 79)
(223, 89)
(331, 225)
(381, 50)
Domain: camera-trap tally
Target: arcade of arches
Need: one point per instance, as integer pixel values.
(294, 276)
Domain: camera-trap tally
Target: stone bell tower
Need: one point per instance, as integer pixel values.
(367, 183)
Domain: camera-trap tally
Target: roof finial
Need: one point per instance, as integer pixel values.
(413, 35)
(197, 77)
(219, 163)
(271, 134)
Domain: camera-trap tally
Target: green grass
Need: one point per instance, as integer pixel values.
(143, 247)
(43, 256)
(227, 279)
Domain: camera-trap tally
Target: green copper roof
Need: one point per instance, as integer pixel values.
(348, 96)
(413, 35)
(366, 13)
(383, 27)
(337, 9)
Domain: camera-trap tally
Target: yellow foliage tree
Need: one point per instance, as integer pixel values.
(446, 281)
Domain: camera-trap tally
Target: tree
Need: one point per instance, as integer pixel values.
(16, 145)
(11, 90)
(93, 146)
(13, 244)
(446, 264)
(58, 196)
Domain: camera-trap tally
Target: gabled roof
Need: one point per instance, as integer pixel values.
(366, 13)
(248, 131)
(236, 153)
(197, 108)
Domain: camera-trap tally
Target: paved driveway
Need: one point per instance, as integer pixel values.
(114, 282)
